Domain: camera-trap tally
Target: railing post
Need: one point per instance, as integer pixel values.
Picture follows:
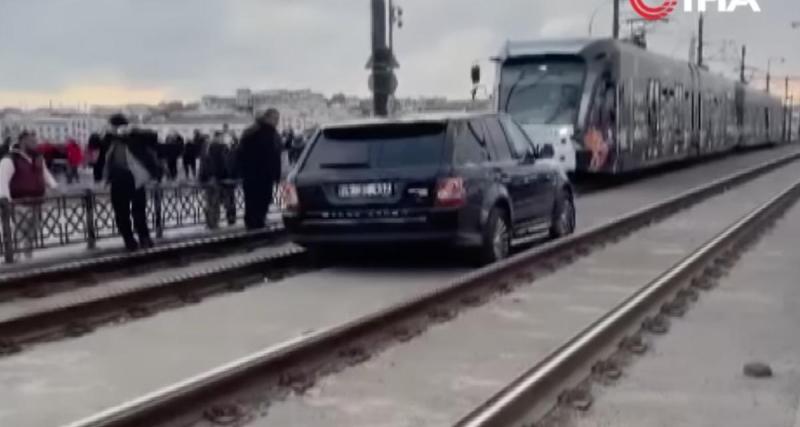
(91, 229)
(158, 211)
(8, 237)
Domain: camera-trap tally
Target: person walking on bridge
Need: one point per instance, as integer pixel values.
(259, 163)
(191, 152)
(24, 179)
(215, 175)
(130, 163)
(74, 161)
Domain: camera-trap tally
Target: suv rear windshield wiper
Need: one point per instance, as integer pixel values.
(344, 165)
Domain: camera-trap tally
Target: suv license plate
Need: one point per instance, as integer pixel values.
(375, 189)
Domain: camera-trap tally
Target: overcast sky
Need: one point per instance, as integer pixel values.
(116, 51)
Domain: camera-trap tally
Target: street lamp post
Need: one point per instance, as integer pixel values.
(594, 15)
(780, 60)
(395, 19)
(615, 24)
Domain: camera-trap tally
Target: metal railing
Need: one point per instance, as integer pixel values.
(88, 216)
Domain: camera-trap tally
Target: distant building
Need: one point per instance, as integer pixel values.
(186, 123)
(300, 109)
(51, 126)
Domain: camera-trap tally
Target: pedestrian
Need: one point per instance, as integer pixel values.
(190, 154)
(173, 151)
(129, 165)
(98, 148)
(259, 163)
(24, 179)
(215, 176)
(298, 144)
(229, 136)
(6, 146)
(74, 161)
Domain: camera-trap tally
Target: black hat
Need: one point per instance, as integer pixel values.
(118, 120)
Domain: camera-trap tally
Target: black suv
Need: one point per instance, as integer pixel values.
(472, 180)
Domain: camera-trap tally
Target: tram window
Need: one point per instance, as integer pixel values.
(654, 95)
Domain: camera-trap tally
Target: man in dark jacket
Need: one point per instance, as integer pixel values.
(173, 150)
(98, 148)
(215, 175)
(260, 167)
(191, 152)
(130, 163)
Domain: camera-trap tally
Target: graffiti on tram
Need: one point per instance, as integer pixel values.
(600, 135)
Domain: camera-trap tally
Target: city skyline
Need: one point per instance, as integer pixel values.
(182, 50)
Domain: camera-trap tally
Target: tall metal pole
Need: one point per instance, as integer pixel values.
(391, 25)
(741, 72)
(380, 59)
(786, 96)
(791, 118)
(769, 74)
(786, 121)
(700, 42)
(616, 19)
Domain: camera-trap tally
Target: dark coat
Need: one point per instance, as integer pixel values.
(214, 164)
(259, 156)
(99, 145)
(173, 147)
(193, 148)
(142, 144)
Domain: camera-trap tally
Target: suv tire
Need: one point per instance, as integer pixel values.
(496, 243)
(562, 222)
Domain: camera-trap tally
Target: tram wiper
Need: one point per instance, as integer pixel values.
(514, 87)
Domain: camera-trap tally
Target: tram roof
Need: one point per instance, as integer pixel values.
(515, 48)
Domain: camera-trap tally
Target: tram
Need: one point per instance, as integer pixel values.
(612, 107)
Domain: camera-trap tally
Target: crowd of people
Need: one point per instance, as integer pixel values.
(65, 159)
(127, 158)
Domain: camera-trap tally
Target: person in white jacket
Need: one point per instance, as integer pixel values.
(24, 180)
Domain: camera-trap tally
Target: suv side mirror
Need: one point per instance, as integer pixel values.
(547, 152)
(475, 73)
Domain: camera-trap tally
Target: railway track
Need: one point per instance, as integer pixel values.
(294, 366)
(69, 299)
(80, 310)
(562, 377)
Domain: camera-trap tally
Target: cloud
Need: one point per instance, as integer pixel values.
(186, 48)
(79, 95)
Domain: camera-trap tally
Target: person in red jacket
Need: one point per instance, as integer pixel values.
(74, 161)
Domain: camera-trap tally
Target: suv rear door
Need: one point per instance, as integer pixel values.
(472, 161)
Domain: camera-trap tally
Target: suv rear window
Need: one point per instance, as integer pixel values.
(378, 147)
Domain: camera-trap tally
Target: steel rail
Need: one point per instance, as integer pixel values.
(59, 270)
(535, 393)
(167, 403)
(79, 315)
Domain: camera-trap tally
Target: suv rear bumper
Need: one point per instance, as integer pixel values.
(386, 238)
(441, 227)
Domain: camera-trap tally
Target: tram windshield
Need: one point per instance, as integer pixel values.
(545, 91)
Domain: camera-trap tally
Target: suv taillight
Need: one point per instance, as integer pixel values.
(451, 193)
(288, 198)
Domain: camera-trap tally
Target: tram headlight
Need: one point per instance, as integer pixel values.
(563, 135)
